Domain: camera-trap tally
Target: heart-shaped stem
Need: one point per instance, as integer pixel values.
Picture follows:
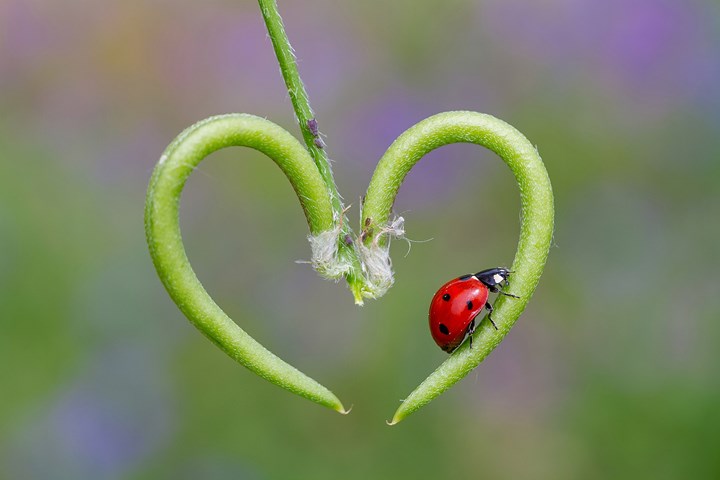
(536, 228)
(168, 253)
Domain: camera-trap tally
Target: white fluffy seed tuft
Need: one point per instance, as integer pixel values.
(325, 258)
(375, 259)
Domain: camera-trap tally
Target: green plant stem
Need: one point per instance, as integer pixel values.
(535, 231)
(168, 253)
(304, 113)
(296, 90)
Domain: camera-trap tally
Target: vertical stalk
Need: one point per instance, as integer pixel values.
(304, 113)
(298, 95)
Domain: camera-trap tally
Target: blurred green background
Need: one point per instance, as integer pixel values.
(612, 372)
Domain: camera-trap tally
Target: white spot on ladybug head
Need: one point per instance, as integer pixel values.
(498, 278)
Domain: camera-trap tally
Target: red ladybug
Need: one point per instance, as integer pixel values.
(454, 307)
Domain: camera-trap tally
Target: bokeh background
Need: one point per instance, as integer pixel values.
(612, 372)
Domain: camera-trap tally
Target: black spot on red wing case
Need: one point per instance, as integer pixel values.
(444, 329)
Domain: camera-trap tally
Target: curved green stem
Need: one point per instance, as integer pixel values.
(535, 232)
(168, 253)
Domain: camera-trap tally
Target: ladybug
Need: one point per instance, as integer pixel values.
(457, 303)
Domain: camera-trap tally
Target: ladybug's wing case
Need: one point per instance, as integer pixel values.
(453, 308)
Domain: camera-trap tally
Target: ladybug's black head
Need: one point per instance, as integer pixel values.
(493, 277)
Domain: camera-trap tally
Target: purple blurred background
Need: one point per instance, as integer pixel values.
(613, 370)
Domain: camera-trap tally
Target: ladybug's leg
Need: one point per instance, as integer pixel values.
(471, 330)
(495, 289)
(507, 294)
(490, 310)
